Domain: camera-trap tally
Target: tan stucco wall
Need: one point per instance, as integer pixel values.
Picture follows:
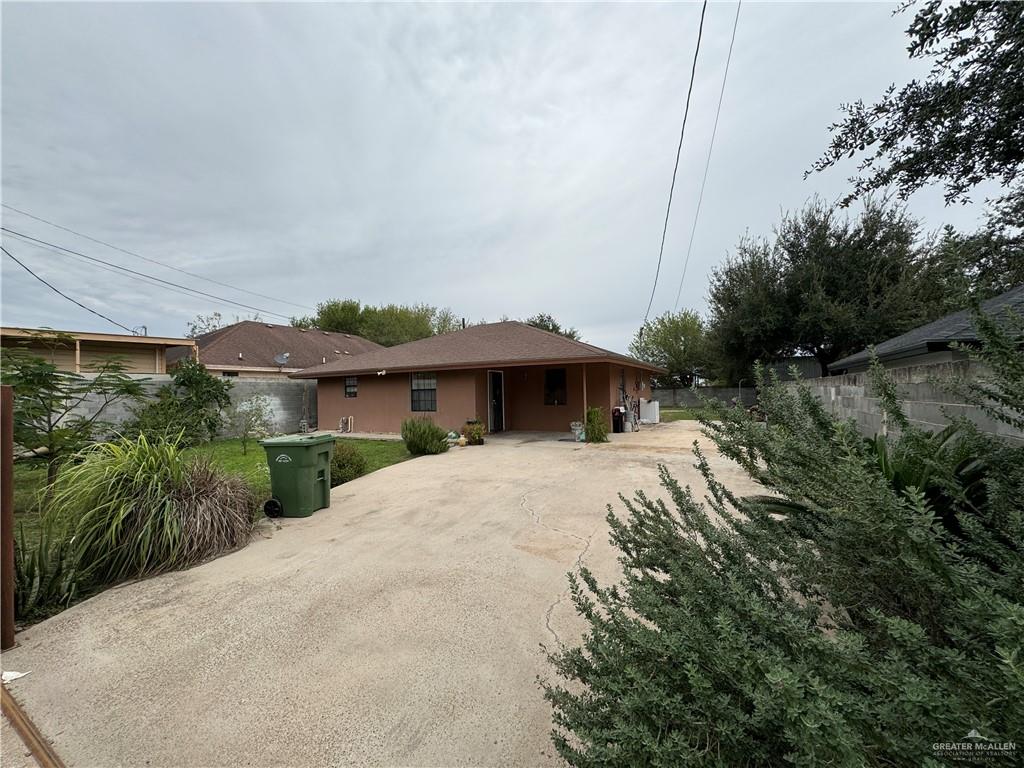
(137, 358)
(632, 376)
(383, 402)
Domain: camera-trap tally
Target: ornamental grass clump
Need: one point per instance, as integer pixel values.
(136, 507)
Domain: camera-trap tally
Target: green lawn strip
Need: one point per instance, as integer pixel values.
(681, 414)
(30, 478)
(29, 482)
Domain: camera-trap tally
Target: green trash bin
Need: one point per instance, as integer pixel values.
(300, 474)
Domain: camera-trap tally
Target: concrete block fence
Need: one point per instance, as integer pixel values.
(927, 403)
(289, 399)
(685, 397)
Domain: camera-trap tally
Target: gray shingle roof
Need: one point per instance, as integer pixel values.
(938, 334)
(492, 344)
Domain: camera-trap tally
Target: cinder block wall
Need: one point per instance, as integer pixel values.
(287, 399)
(926, 402)
(691, 398)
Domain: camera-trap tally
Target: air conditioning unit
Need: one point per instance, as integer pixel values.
(346, 424)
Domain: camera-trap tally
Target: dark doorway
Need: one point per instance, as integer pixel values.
(496, 385)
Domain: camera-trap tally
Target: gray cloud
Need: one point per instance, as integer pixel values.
(500, 159)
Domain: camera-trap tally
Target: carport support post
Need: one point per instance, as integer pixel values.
(584, 395)
(6, 517)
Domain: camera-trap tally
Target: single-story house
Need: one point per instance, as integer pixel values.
(80, 352)
(256, 349)
(508, 375)
(933, 343)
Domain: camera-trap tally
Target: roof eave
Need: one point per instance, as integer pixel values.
(312, 373)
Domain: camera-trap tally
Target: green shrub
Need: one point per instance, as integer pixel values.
(190, 409)
(348, 463)
(474, 432)
(596, 426)
(867, 611)
(423, 437)
(136, 507)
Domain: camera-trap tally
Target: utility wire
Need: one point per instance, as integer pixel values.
(111, 270)
(61, 293)
(154, 261)
(142, 274)
(707, 164)
(675, 168)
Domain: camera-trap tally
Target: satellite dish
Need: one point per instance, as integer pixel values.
(282, 359)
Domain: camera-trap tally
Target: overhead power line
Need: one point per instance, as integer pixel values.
(707, 164)
(60, 292)
(111, 270)
(154, 261)
(675, 168)
(130, 272)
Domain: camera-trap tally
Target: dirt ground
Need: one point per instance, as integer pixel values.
(403, 626)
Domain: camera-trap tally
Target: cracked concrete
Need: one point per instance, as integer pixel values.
(402, 626)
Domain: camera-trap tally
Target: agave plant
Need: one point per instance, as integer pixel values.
(46, 576)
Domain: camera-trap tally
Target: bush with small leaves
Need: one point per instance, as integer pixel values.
(865, 609)
(423, 437)
(346, 464)
(596, 426)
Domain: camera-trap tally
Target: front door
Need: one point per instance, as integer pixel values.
(497, 391)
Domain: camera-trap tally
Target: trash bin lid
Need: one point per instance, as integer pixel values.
(296, 441)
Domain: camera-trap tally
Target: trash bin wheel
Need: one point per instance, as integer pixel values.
(273, 508)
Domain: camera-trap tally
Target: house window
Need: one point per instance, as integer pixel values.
(424, 391)
(554, 386)
(351, 386)
(233, 374)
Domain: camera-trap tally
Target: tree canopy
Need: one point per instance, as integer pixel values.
(962, 124)
(547, 322)
(675, 341)
(389, 324)
(826, 285)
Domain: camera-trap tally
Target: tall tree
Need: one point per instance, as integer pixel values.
(200, 325)
(751, 318)
(547, 322)
(827, 286)
(387, 324)
(396, 324)
(675, 341)
(962, 124)
(338, 315)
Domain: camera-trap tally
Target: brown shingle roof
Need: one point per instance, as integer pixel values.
(259, 343)
(494, 344)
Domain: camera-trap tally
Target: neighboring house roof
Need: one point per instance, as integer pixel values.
(937, 335)
(259, 343)
(508, 343)
(104, 338)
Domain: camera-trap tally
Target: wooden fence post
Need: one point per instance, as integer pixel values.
(6, 517)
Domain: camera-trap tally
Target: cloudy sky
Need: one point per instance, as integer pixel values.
(498, 159)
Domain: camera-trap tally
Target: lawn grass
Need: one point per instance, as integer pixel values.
(29, 482)
(682, 414)
(30, 478)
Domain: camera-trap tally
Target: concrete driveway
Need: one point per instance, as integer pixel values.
(403, 626)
